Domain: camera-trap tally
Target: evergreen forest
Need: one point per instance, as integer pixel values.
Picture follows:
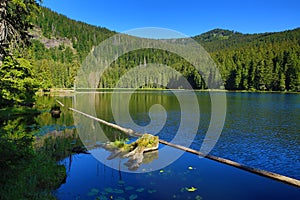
(252, 62)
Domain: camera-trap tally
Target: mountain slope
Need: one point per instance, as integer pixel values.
(267, 61)
(219, 39)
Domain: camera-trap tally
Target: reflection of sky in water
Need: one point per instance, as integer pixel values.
(89, 179)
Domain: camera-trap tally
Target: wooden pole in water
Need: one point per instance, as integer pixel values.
(260, 172)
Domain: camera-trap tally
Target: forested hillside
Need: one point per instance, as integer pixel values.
(268, 61)
(69, 41)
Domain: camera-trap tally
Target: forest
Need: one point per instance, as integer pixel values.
(252, 62)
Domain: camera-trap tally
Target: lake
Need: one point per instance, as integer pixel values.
(261, 130)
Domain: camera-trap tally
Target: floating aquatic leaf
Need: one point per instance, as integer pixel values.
(198, 197)
(121, 182)
(90, 194)
(118, 191)
(93, 192)
(133, 197)
(190, 168)
(161, 171)
(102, 198)
(120, 198)
(129, 188)
(192, 189)
(182, 189)
(140, 189)
(108, 190)
(151, 191)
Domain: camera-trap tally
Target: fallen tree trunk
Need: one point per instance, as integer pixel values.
(124, 130)
(260, 172)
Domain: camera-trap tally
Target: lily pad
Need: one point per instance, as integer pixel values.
(190, 168)
(121, 182)
(102, 198)
(191, 189)
(104, 193)
(151, 191)
(118, 191)
(108, 190)
(140, 189)
(161, 171)
(129, 188)
(198, 197)
(93, 192)
(120, 198)
(133, 197)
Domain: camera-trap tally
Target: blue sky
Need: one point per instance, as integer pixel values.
(190, 17)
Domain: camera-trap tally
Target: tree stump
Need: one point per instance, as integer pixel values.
(134, 151)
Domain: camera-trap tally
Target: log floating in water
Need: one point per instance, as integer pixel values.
(124, 130)
(60, 103)
(260, 172)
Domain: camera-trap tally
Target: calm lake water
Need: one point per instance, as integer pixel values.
(261, 130)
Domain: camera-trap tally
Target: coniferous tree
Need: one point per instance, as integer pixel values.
(17, 83)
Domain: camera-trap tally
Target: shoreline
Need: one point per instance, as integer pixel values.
(71, 91)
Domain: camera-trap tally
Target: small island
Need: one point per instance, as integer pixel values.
(134, 151)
